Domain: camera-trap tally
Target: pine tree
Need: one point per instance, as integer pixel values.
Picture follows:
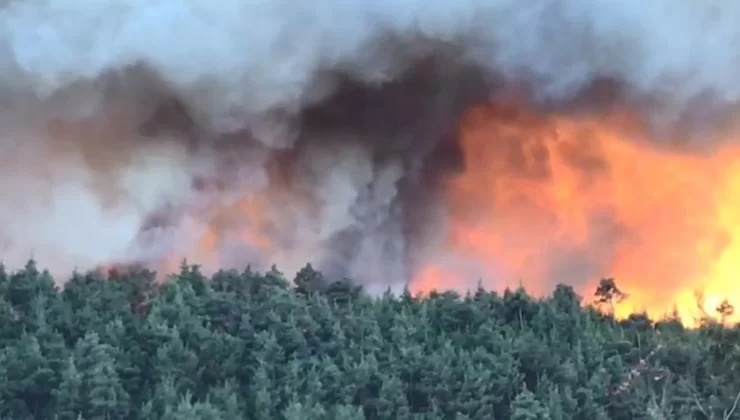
(224, 397)
(297, 410)
(28, 378)
(608, 293)
(308, 280)
(57, 357)
(392, 401)
(173, 359)
(526, 407)
(262, 392)
(69, 404)
(102, 391)
(187, 410)
(351, 412)
(164, 398)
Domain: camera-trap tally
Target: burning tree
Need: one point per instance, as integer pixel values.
(609, 293)
(722, 312)
(725, 310)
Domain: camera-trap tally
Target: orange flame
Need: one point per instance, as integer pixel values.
(545, 199)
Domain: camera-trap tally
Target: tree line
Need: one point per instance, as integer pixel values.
(252, 345)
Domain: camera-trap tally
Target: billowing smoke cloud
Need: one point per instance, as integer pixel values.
(128, 128)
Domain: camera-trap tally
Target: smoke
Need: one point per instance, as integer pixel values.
(294, 132)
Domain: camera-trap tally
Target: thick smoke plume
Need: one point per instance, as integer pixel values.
(319, 130)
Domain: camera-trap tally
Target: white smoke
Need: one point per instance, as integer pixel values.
(78, 77)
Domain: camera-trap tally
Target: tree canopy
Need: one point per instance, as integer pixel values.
(249, 345)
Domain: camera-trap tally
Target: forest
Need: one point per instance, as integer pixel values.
(256, 345)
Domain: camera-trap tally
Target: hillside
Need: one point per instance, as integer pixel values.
(257, 346)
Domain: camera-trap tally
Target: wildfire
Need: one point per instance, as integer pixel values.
(546, 199)
(252, 228)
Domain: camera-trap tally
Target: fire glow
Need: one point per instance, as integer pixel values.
(665, 225)
(543, 199)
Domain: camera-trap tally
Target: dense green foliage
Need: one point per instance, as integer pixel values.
(255, 346)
